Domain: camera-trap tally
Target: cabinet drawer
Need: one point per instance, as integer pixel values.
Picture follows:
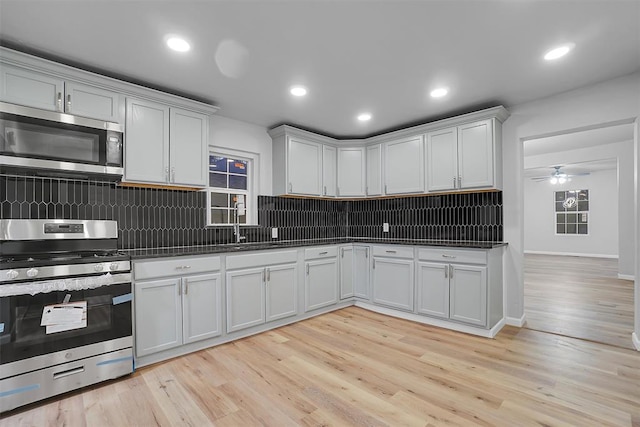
(177, 266)
(263, 258)
(393, 251)
(323, 252)
(466, 256)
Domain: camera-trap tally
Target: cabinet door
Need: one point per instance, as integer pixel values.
(404, 166)
(304, 165)
(188, 147)
(282, 291)
(346, 272)
(158, 315)
(201, 307)
(329, 159)
(89, 101)
(374, 170)
(468, 299)
(146, 142)
(393, 283)
(442, 160)
(351, 172)
(321, 283)
(245, 298)
(361, 272)
(433, 289)
(30, 88)
(475, 154)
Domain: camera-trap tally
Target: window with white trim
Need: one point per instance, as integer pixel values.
(230, 176)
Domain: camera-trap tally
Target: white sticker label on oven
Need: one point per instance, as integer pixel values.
(64, 317)
(1, 328)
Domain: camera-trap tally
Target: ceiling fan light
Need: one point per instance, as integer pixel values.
(562, 180)
(553, 180)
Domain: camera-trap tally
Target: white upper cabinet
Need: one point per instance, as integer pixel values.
(404, 163)
(351, 172)
(329, 160)
(165, 145)
(374, 170)
(304, 166)
(462, 157)
(48, 92)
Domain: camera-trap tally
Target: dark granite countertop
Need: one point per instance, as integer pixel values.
(244, 247)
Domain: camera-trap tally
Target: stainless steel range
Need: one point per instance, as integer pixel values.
(65, 308)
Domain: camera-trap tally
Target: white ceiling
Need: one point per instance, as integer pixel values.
(377, 56)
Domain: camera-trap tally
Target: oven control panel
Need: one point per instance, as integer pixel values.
(63, 228)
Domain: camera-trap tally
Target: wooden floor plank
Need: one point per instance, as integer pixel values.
(356, 367)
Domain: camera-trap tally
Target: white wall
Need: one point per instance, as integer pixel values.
(539, 216)
(236, 135)
(623, 152)
(612, 102)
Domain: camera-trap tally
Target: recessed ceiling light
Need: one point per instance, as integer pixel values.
(178, 44)
(439, 92)
(558, 52)
(364, 117)
(298, 91)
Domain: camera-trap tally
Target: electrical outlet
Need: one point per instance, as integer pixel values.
(274, 233)
(385, 227)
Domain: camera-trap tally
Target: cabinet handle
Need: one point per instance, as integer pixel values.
(366, 252)
(385, 188)
(183, 267)
(263, 278)
(446, 271)
(173, 174)
(186, 288)
(307, 269)
(59, 101)
(268, 275)
(325, 190)
(342, 253)
(166, 173)
(180, 289)
(459, 181)
(448, 256)
(390, 252)
(68, 103)
(451, 271)
(323, 253)
(374, 263)
(454, 182)
(290, 188)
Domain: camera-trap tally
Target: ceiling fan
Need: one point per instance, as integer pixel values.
(558, 176)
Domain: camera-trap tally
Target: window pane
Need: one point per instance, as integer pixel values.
(219, 200)
(583, 195)
(560, 196)
(239, 182)
(559, 207)
(218, 180)
(572, 228)
(572, 218)
(582, 229)
(561, 218)
(583, 205)
(219, 216)
(582, 218)
(238, 166)
(560, 228)
(217, 163)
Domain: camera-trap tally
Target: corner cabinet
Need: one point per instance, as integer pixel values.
(49, 92)
(165, 145)
(374, 170)
(173, 308)
(464, 157)
(351, 172)
(404, 166)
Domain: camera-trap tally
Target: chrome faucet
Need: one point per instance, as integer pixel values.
(236, 224)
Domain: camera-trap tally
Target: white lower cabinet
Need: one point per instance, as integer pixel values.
(433, 289)
(321, 277)
(393, 277)
(354, 272)
(468, 288)
(257, 295)
(346, 272)
(177, 311)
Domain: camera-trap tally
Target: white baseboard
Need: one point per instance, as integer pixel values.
(487, 333)
(626, 277)
(571, 254)
(636, 341)
(515, 321)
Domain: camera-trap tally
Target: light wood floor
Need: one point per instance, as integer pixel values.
(354, 367)
(578, 297)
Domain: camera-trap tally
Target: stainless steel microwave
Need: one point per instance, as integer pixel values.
(51, 143)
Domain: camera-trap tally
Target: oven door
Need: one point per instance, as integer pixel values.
(44, 139)
(34, 325)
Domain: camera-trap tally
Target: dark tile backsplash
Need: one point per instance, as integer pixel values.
(149, 217)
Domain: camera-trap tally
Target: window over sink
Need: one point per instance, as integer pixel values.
(230, 182)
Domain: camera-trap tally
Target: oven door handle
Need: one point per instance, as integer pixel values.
(63, 284)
